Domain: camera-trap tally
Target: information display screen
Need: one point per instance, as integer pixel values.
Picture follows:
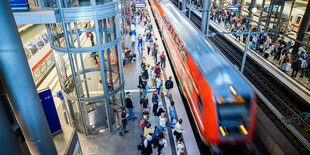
(140, 5)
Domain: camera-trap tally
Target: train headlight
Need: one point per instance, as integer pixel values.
(245, 132)
(222, 131)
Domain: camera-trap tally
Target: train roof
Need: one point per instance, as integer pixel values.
(32, 32)
(218, 73)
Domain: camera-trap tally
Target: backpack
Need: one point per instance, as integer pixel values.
(142, 123)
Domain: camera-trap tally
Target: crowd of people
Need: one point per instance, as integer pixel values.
(153, 133)
(265, 44)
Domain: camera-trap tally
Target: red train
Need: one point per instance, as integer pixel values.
(222, 103)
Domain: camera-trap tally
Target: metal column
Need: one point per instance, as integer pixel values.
(205, 14)
(241, 6)
(7, 137)
(303, 27)
(252, 5)
(179, 3)
(245, 51)
(17, 78)
(260, 15)
(184, 6)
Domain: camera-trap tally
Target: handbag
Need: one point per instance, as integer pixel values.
(139, 146)
(175, 132)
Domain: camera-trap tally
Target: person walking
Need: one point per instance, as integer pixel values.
(129, 106)
(160, 109)
(171, 113)
(163, 60)
(124, 117)
(169, 85)
(133, 41)
(140, 41)
(178, 129)
(180, 146)
(147, 145)
(254, 42)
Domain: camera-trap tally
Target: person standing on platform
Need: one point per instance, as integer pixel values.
(171, 113)
(147, 146)
(296, 67)
(129, 106)
(144, 104)
(163, 60)
(162, 143)
(286, 60)
(158, 85)
(152, 75)
(169, 85)
(133, 41)
(140, 41)
(144, 87)
(180, 147)
(124, 117)
(178, 129)
(254, 42)
(160, 109)
(238, 35)
(155, 103)
(158, 58)
(162, 120)
(92, 39)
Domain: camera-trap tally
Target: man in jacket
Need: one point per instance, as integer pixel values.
(169, 84)
(129, 106)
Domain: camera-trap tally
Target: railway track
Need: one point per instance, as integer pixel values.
(288, 103)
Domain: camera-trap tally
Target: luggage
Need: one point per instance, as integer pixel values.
(288, 67)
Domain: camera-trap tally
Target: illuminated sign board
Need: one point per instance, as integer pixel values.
(233, 9)
(140, 5)
(19, 5)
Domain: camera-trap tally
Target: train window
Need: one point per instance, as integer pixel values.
(172, 32)
(36, 74)
(49, 60)
(43, 66)
(169, 27)
(182, 50)
(45, 37)
(199, 102)
(190, 84)
(175, 35)
(178, 42)
(181, 74)
(28, 55)
(39, 42)
(32, 48)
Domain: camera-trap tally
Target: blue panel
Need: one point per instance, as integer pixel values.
(19, 5)
(234, 9)
(48, 105)
(140, 5)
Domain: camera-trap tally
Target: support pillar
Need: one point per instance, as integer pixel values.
(260, 15)
(303, 27)
(7, 137)
(252, 5)
(179, 3)
(21, 90)
(241, 6)
(205, 14)
(184, 6)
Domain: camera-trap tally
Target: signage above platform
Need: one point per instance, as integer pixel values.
(233, 9)
(140, 5)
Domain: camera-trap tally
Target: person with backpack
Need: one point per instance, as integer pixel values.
(145, 119)
(169, 84)
(180, 146)
(144, 87)
(129, 106)
(124, 117)
(304, 66)
(155, 103)
(144, 103)
(171, 113)
(147, 145)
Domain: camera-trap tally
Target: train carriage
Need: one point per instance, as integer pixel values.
(222, 103)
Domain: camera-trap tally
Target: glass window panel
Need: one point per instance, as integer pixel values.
(32, 48)
(39, 42)
(45, 37)
(43, 67)
(36, 74)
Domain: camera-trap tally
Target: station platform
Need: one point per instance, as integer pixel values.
(298, 85)
(127, 144)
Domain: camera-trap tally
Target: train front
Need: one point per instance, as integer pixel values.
(236, 115)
